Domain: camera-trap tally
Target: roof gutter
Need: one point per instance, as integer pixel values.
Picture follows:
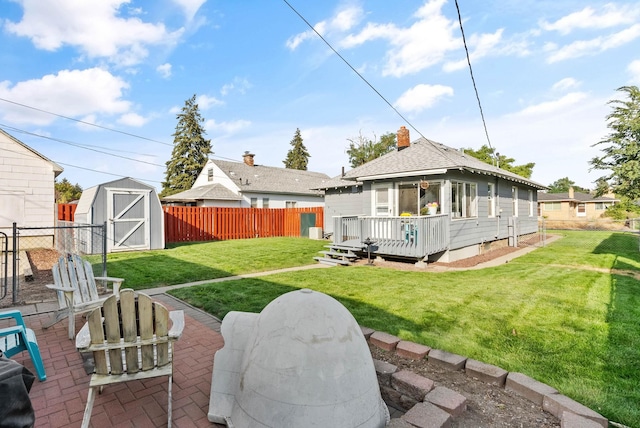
(403, 174)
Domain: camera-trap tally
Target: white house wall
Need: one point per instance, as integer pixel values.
(27, 194)
(219, 176)
(279, 200)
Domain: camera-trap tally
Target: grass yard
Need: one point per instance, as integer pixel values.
(182, 263)
(559, 314)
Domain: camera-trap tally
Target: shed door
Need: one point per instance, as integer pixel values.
(128, 214)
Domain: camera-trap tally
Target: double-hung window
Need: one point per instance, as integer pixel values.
(464, 199)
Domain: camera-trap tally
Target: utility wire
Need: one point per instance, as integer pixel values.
(473, 80)
(354, 70)
(81, 146)
(85, 123)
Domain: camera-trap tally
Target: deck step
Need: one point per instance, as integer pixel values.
(332, 262)
(339, 254)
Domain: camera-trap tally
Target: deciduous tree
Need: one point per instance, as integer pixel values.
(362, 149)
(489, 155)
(621, 148)
(190, 150)
(562, 185)
(297, 156)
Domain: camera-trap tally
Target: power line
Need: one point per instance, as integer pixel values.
(354, 70)
(85, 123)
(473, 80)
(81, 146)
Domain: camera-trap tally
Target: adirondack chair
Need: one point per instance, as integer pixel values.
(76, 289)
(18, 338)
(130, 339)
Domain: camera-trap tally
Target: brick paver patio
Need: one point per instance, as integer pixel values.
(59, 401)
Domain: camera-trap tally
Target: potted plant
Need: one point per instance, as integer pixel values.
(432, 208)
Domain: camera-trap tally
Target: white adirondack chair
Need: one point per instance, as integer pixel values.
(76, 289)
(130, 339)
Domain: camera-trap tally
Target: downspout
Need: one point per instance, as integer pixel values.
(498, 210)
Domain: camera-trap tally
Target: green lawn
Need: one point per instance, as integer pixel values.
(557, 314)
(182, 263)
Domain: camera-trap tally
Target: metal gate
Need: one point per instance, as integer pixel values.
(4, 266)
(128, 213)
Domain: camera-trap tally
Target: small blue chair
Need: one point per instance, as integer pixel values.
(19, 338)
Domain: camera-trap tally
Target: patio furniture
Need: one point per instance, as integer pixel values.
(18, 338)
(130, 339)
(76, 289)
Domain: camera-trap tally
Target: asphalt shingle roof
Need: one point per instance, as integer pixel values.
(210, 191)
(268, 179)
(424, 155)
(577, 196)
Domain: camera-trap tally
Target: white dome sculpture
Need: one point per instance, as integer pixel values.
(302, 362)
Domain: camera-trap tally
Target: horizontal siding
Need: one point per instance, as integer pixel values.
(342, 202)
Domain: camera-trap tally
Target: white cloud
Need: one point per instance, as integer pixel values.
(226, 127)
(205, 102)
(634, 70)
(594, 46)
(565, 84)
(97, 29)
(132, 119)
(610, 15)
(548, 107)
(422, 96)
(239, 84)
(190, 7)
(71, 93)
(343, 20)
(164, 70)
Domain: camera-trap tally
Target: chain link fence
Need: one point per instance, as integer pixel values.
(31, 252)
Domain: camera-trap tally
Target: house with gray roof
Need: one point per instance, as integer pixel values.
(427, 201)
(573, 205)
(246, 184)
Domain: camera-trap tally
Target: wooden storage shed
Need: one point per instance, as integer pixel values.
(132, 210)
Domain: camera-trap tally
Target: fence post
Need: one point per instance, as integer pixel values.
(104, 249)
(14, 283)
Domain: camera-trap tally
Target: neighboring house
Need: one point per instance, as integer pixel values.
(27, 191)
(427, 201)
(245, 184)
(573, 205)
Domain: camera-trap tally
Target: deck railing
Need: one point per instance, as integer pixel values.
(397, 236)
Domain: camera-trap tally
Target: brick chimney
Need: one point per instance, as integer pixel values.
(403, 138)
(571, 193)
(248, 158)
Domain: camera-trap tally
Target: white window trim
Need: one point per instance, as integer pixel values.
(491, 195)
(463, 208)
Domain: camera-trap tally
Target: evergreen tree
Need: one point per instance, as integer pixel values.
(67, 192)
(621, 154)
(362, 149)
(297, 156)
(190, 150)
(488, 155)
(602, 187)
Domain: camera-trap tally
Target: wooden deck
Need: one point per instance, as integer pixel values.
(412, 237)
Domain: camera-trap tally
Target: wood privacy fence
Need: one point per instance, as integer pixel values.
(188, 224)
(66, 211)
(182, 224)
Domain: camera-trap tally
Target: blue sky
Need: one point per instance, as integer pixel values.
(544, 71)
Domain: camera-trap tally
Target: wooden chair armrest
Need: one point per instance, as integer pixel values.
(83, 338)
(109, 278)
(60, 288)
(117, 282)
(177, 320)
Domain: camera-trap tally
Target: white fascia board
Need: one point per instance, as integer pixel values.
(402, 174)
